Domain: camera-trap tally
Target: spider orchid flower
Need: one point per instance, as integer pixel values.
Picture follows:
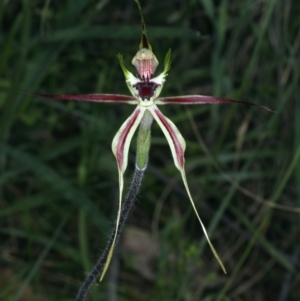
(145, 89)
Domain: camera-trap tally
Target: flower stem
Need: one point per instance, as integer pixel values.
(144, 140)
(143, 146)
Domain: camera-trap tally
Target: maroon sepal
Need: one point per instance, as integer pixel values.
(203, 99)
(91, 97)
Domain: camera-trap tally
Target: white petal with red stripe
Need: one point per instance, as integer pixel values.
(120, 148)
(177, 145)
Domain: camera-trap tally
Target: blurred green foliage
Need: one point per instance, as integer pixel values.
(59, 178)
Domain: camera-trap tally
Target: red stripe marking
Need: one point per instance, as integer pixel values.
(89, 97)
(177, 145)
(202, 99)
(197, 99)
(123, 137)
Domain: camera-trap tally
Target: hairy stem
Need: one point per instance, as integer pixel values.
(143, 146)
(127, 205)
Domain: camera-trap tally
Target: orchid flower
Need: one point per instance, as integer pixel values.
(145, 89)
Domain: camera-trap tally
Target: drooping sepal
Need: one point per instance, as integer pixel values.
(173, 136)
(177, 145)
(121, 141)
(120, 148)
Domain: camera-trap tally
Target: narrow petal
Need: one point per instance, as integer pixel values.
(92, 97)
(203, 99)
(167, 62)
(120, 148)
(161, 78)
(130, 79)
(177, 145)
(127, 74)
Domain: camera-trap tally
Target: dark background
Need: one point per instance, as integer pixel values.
(59, 187)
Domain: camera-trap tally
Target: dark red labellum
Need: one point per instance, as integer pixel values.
(146, 89)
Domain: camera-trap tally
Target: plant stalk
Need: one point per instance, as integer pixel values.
(143, 146)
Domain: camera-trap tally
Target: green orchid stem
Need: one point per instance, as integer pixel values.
(143, 146)
(143, 141)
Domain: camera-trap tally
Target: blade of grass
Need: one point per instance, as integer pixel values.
(41, 258)
(258, 232)
(63, 248)
(29, 202)
(60, 184)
